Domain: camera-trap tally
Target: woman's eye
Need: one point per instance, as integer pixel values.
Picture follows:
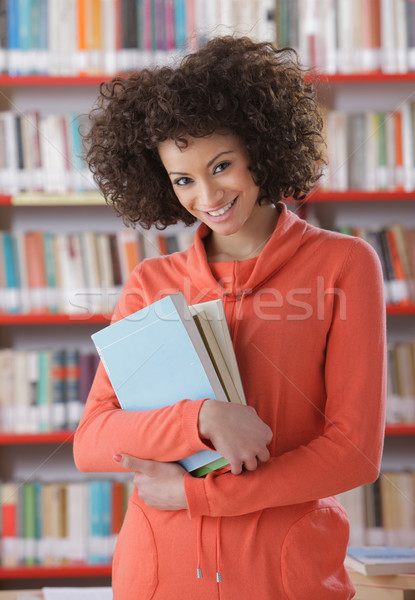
(182, 181)
(221, 167)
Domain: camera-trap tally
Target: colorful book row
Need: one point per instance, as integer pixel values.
(346, 37)
(42, 153)
(400, 407)
(44, 390)
(382, 512)
(93, 37)
(371, 151)
(395, 246)
(74, 273)
(61, 523)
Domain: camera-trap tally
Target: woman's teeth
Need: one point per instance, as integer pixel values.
(222, 211)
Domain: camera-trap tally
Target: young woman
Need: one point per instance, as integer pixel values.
(223, 138)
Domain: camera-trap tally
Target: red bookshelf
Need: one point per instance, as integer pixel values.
(396, 429)
(364, 77)
(397, 309)
(54, 437)
(53, 319)
(42, 572)
(46, 80)
(360, 196)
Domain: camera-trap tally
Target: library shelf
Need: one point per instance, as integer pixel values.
(400, 309)
(360, 77)
(43, 572)
(54, 200)
(320, 195)
(49, 80)
(395, 429)
(52, 437)
(53, 319)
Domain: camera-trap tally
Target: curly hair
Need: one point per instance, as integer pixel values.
(232, 85)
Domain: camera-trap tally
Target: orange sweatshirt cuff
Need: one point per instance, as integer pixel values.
(190, 419)
(197, 502)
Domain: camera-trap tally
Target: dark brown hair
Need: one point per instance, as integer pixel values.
(231, 84)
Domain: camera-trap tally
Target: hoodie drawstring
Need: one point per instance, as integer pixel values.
(199, 573)
(218, 526)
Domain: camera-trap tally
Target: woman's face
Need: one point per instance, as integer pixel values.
(212, 180)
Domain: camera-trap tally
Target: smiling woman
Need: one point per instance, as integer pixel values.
(223, 138)
(231, 85)
(212, 179)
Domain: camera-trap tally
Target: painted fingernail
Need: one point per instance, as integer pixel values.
(117, 458)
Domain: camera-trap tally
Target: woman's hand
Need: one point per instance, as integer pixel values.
(160, 485)
(236, 432)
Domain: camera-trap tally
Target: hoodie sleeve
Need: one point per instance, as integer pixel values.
(166, 434)
(348, 451)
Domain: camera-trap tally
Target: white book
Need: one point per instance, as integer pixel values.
(21, 392)
(7, 408)
(401, 36)
(388, 42)
(353, 502)
(63, 264)
(76, 520)
(215, 313)
(54, 33)
(267, 23)
(109, 38)
(10, 183)
(372, 152)
(67, 30)
(390, 151)
(345, 36)
(329, 36)
(407, 146)
(109, 292)
(33, 382)
(337, 150)
(91, 265)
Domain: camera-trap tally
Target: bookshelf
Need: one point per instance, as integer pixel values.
(349, 91)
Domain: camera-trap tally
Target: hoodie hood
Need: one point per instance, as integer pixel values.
(251, 273)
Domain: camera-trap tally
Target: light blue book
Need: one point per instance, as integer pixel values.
(381, 560)
(156, 357)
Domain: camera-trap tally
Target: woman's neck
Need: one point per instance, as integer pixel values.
(246, 243)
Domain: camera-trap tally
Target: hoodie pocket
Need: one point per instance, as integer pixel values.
(135, 563)
(313, 553)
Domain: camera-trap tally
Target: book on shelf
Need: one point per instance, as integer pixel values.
(160, 351)
(382, 513)
(370, 150)
(349, 37)
(57, 523)
(381, 560)
(94, 37)
(44, 390)
(74, 273)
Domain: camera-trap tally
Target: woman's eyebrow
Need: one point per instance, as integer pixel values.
(217, 156)
(210, 163)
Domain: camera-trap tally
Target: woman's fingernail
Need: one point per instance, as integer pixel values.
(117, 458)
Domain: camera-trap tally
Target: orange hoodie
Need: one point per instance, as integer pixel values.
(307, 319)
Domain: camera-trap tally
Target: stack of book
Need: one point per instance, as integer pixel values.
(169, 351)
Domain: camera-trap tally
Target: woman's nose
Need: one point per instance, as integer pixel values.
(211, 195)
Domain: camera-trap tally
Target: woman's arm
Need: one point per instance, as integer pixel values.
(348, 452)
(166, 434)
